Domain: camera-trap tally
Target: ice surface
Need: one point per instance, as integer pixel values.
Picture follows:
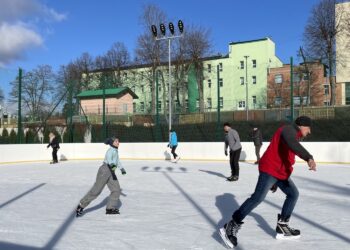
(166, 206)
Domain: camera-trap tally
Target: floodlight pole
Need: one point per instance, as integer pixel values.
(169, 75)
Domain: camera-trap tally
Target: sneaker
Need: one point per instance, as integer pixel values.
(285, 232)
(232, 178)
(79, 211)
(112, 211)
(228, 233)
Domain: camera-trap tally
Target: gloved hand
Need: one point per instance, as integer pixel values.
(48, 146)
(226, 152)
(168, 145)
(273, 188)
(123, 171)
(113, 167)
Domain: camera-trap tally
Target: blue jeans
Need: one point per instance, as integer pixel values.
(265, 182)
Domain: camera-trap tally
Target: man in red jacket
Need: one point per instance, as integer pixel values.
(275, 167)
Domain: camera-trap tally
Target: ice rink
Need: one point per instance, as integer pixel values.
(166, 206)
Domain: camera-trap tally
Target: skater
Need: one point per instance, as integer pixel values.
(106, 176)
(275, 167)
(173, 144)
(258, 141)
(55, 147)
(232, 140)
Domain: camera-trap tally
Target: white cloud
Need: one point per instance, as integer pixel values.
(21, 22)
(15, 40)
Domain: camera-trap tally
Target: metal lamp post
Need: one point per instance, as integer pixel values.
(169, 38)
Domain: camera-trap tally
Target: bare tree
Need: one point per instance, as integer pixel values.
(2, 97)
(116, 57)
(323, 26)
(37, 90)
(198, 46)
(150, 51)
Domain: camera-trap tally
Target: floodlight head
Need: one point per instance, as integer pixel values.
(171, 28)
(180, 25)
(162, 29)
(154, 30)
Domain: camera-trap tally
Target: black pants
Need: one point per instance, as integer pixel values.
(54, 155)
(173, 151)
(234, 158)
(257, 152)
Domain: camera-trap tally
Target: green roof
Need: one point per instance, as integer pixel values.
(108, 92)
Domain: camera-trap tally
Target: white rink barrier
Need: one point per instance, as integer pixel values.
(331, 152)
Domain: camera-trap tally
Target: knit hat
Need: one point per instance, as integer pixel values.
(109, 141)
(303, 121)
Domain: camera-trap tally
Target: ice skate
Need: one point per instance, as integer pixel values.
(79, 211)
(177, 159)
(112, 211)
(232, 178)
(228, 233)
(284, 232)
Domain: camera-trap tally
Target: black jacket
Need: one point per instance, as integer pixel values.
(257, 137)
(54, 144)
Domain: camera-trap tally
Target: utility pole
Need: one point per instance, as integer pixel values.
(19, 118)
(246, 87)
(218, 102)
(291, 91)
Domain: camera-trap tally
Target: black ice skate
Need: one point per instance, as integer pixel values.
(112, 211)
(79, 211)
(232, 178)
(228, 233)
(284, 232)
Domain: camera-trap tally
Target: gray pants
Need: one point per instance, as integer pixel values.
(104, 176)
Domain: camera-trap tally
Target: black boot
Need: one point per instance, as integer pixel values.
(229, 233)
(79, 211)
(112, 211)
(284, 231)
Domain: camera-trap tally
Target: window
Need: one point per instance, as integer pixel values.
(347, 93)
(220, 67)
(254, 99)
(254, 79)
(296, 77)
(134, 107)
(278, 78)
(142, 106)
(326, 89)
(242, 80)
(209, 103)
(254, 63)
(209, 68)
(305, 76)
(278, 100)
(125, 75)
(125, 107)
(221, 102)
(327, 103)
(221, 82)
(242, 64)
(159, 105)
(197, 103)
(186, 104)
(142, 89)
(241, 104)
(296, 100)
(159, 87)
(306, 100)
(209, 83)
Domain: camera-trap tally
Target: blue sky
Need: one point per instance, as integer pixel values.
(58, 31)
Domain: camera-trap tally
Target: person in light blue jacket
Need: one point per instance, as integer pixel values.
(173, 144)
(106, 176)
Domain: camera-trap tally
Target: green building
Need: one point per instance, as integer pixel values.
(242, 76)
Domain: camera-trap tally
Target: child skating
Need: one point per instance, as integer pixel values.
(106, 176)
